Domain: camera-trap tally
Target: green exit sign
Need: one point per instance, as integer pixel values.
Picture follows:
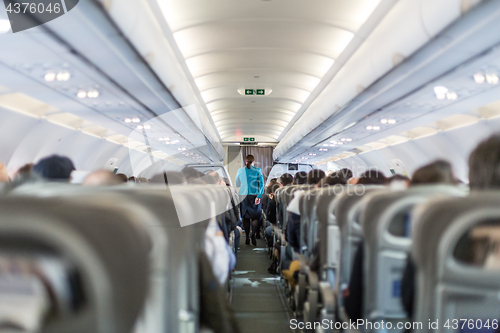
(249, 139)
(255, 91)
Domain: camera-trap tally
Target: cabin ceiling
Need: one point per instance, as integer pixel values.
(284, 47)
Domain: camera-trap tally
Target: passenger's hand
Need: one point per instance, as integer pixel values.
(257, 201)
(271, 196)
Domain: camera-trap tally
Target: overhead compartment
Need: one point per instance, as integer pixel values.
(383, 50)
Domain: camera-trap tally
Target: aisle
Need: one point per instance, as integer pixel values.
(255, 299)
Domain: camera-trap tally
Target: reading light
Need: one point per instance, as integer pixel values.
(49, 77)
(391, 121)
(376, 128)
(161, 139)
(136, 120)
(128, 120)
(343, 139)
(440, 92)
(140, 127)
(81, 94)
(333, 142)
(340, 143)
(492, 78)
(348, 139)
(451, 96)
(93, 94)
(325, 145)
(63, 76)
(383, 121)
(147, 126)
(311, 154)
(479, 78)
(369, 127)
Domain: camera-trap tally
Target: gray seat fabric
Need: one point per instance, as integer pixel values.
(347, 208)
(384, 221)
(106, 246)
(307, 208)
(453, 279)
(173, 304)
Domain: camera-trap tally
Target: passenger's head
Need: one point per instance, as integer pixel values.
(131, 179)
(314, 176)
(4, 176)
(436, 172)
(24, 172)
(484, 164)
(169, 178)
(398, 181)
(212, 177)
(191, 173)
(345, 173)
(300, 178)
(54, 167)
(285, 179)
(333, 179)
(274, 179)
(249, 160)
(272, 187)
(102, 178)
(227, 181)
(372, 177)
(123, 178)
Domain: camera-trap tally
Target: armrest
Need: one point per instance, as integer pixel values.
(313, 280)
(328, 297)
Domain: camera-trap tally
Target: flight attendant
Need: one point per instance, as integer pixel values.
(251, 183)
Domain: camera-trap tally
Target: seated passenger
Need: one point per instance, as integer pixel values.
(484, 174)
(168, 178)
(300, 178)
(54, 168)
(123, 178)
(24, 172)
(285, 179)
(372, 177)
(335, 178)
(101, 178)
(399, 182)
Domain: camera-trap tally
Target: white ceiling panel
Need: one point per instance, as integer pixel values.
(282, 46)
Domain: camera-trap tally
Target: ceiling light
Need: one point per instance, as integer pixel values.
(147, 126)
(492, 78)
(383, 121)
(311, 154)
(369, 127)
(479, 78)
(348, 139)
(440, 92)
(93, 93)
(81, 94)
(376, 128)
(451, 96)
(340, 143)
(140, 127)
(128, 120)
(391, 121)
(333, 142)
(63, 76)
(325, 145)
(305, 158)
(161, 139)
(49, 77)
(136, 120)
(4, 26)
(343, 139)
(167, 142)
(332, 145)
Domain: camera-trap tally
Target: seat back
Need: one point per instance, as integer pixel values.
(173, 302)
(106, 246)
(385, 224)
(455, 250)
(346, 210)
(307, 208)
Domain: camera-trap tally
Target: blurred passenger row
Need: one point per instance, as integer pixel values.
(113, 257)
(390, 253)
